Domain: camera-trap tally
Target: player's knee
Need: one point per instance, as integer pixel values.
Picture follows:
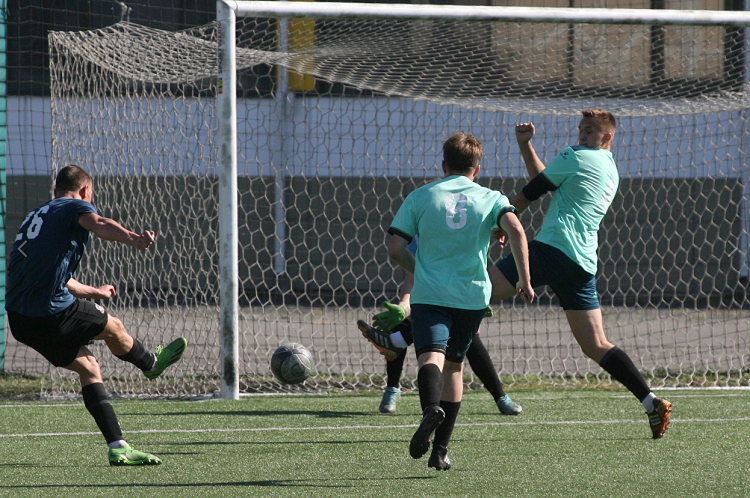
(86, 365)
(114, 329)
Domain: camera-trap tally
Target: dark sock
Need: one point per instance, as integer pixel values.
(139, 356)
(405, 329)
(620, 366)
(444, 430)
(96, 402)
(394, 369)
(430, 383)
(481, 364)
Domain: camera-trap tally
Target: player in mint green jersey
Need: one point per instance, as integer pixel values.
(583, 180)
(453, 218)
(392, 334)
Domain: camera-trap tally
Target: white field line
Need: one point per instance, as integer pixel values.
(376, 427)
(675, 393)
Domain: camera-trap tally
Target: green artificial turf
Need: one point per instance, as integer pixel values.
(567, 443)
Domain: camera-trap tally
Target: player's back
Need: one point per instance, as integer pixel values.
(453, 218)
(46, 252)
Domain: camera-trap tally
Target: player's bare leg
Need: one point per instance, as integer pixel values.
(588, 329)
(129, 349)
(116, 337)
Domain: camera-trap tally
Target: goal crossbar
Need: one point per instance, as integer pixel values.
(489, 13)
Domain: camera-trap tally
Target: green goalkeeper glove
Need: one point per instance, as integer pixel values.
(387, 320)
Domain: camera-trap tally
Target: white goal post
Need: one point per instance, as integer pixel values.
(226, 15)
(271, 149)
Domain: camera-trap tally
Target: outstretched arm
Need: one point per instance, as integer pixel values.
(84, 291)
(108, 229)
(524, 133)
(511, 225)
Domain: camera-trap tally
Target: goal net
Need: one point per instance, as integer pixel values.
(338, 120)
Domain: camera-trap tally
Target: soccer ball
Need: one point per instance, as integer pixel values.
(292, 363)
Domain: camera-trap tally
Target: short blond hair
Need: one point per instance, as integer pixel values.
(605, 118)
(462, 152)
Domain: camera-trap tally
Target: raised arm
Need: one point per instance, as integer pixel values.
(524, 133)
(108, 229)
(511, 225)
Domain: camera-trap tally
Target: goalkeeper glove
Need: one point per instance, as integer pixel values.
(389, 319)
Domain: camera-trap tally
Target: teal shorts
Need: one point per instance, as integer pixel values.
(444, 330)
(574, 287)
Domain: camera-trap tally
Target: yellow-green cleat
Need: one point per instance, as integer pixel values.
(165, 356)
(129, 456)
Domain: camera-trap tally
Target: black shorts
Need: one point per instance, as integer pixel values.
(59, 337)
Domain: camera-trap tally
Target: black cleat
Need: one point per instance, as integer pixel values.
(439, 460)
(420, 441)
(380, 340)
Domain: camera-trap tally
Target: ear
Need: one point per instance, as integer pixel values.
(607, 138)
(476, 172)
(84, 190)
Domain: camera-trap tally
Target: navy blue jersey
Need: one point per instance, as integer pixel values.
(47, 250)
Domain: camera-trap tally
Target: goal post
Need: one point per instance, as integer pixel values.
(270, 155)
(228, 226)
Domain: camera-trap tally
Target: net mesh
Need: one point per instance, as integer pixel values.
(326, 158)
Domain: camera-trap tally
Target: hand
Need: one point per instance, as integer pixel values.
(501, 237)
(145, 240)
(389, 319)
(526, 291)
(103, 292)
(524, 132)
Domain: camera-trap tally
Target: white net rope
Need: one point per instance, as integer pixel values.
(325, 163)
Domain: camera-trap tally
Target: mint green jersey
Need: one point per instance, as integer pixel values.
(586, 181)
(453, 218)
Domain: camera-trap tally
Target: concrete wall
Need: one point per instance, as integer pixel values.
(666, 238)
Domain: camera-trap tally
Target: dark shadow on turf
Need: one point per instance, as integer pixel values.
(276, 443)
(302, 483)
(250, 413)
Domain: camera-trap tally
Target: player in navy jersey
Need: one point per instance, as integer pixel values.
(46, 308)
(583, 180)
(392, 334)
(453, 218)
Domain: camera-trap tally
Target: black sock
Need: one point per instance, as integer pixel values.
(139, 356)
(430, 383)
(444, 430)
(96, 402)
(405, 329)
(394, 368)
(481, 364)
(620, 366)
